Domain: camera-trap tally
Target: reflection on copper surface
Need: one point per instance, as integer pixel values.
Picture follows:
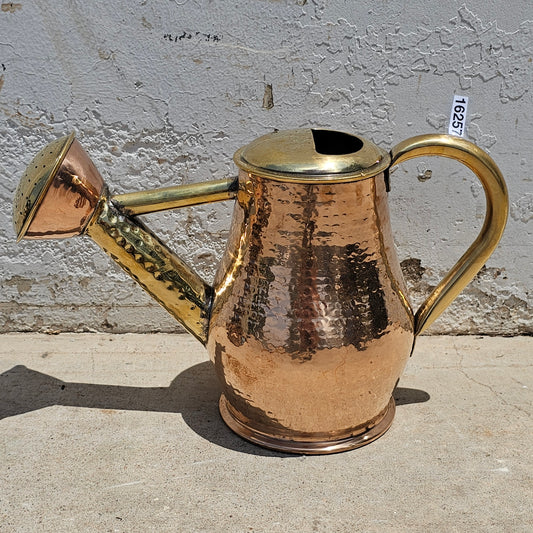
(70, 199)
(310, 328)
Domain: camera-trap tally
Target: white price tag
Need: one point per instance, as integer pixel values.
(458, 116)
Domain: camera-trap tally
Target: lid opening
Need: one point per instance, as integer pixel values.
(328, 142)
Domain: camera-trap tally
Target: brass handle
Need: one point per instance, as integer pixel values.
(497, 207)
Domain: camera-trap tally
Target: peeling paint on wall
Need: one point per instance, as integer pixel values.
(522, 209)
(268, 98)
(10, 7)
(163, 93)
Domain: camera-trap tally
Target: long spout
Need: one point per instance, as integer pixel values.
(62, 194)
(182, 292)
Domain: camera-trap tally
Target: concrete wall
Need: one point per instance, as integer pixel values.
(163, 92)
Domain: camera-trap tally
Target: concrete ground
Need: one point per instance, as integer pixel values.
(105, 433)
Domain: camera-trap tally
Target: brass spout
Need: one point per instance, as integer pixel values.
(62, 195)
(182, 292)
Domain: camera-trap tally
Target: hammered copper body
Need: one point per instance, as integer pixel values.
(307, 321)
(310, 328)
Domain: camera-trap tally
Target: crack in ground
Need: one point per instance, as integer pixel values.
(485, 385)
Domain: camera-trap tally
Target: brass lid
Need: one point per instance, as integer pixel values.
(36, 181)
(312, 155)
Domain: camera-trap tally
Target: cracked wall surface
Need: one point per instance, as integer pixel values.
(163, 92)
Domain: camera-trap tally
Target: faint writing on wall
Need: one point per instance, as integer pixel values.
(192, 35)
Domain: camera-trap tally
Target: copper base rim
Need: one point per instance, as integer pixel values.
(308, 447)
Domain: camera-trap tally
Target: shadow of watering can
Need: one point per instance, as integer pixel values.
(307, 321)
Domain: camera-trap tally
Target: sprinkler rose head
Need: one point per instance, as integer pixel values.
(58, 193)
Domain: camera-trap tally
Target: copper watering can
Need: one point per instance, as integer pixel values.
(307, 321)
